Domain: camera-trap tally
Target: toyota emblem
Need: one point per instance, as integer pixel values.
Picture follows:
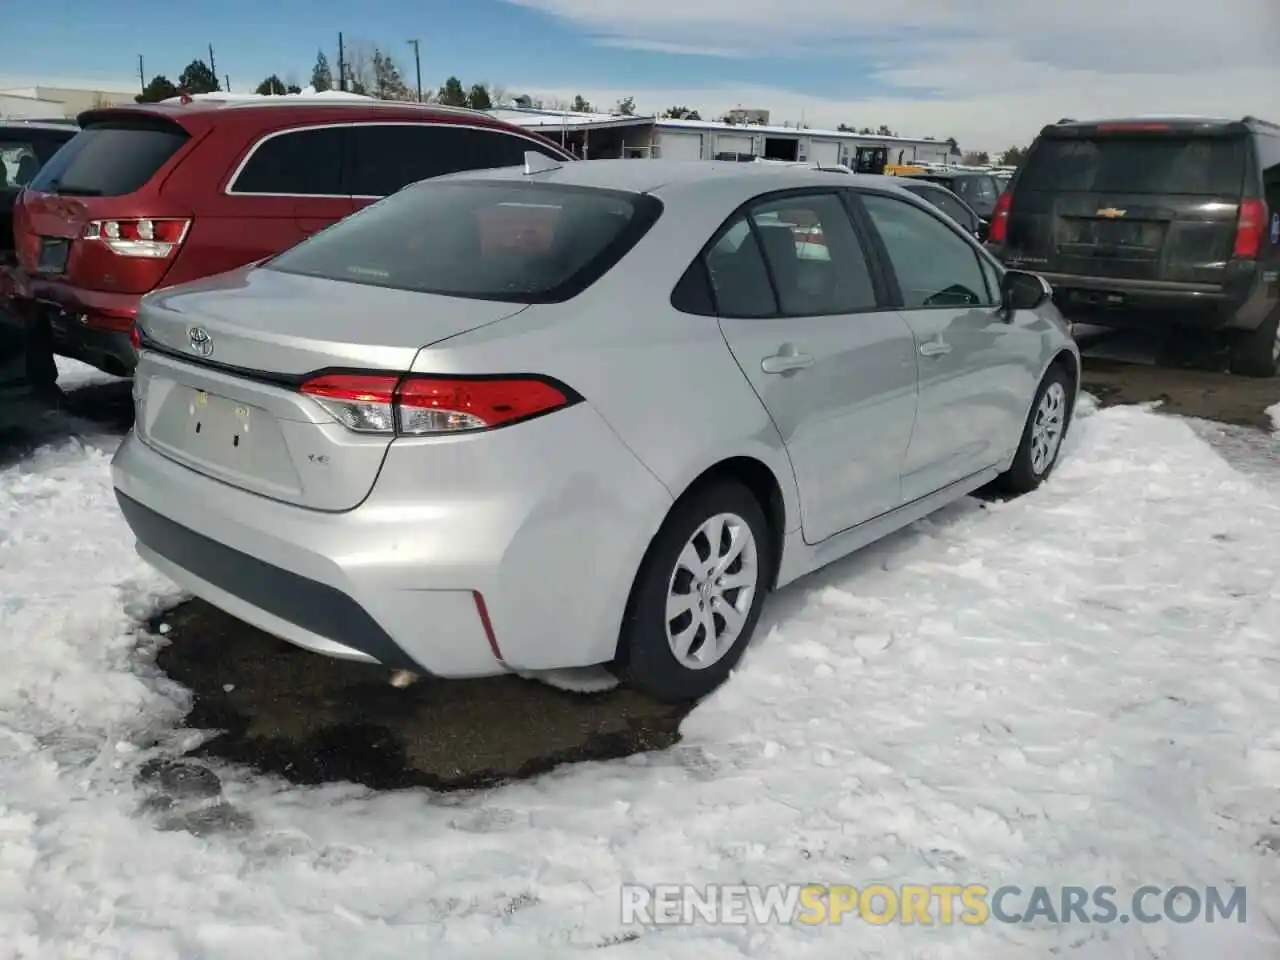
(201, 342)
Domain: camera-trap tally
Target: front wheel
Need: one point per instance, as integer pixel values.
(698, 594)
(1042, 436)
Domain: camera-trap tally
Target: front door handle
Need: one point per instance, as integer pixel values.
(786, 362)
(935, 348)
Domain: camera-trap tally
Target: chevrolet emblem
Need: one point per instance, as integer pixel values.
(1111, 213)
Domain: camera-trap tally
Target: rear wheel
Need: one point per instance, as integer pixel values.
(1256, 353)
(698, 594)
(1042, 436)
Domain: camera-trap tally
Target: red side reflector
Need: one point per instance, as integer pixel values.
(482, 610)
(1249, 229)
(135, 337)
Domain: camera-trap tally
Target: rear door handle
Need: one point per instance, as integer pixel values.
(935, 348)
(786, 362)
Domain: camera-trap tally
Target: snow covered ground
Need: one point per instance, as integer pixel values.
(1079, 687)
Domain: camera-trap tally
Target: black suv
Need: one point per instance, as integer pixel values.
(979, 190)
(25, 146)
(1165, 223)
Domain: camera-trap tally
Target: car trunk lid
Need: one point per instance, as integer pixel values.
(1149, 206)
(217, 386)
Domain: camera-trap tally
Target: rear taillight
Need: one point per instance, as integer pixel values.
(418, 406)
(145, 238)
(1249, 229)
(999, 229)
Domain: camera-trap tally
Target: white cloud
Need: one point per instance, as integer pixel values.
(988, 72)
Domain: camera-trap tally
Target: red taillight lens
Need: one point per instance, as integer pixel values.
(135, 337)
(999, 229)
(145, 238)
(416, 406)
(1249, 229)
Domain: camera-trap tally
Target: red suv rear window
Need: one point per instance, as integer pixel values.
(109, 159)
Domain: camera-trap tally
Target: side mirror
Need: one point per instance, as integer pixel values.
(1020, 290)
(983, 230)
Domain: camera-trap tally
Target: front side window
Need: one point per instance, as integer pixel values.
(518, 242)
(934, 265)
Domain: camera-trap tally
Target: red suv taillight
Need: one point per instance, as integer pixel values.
(1249, 229)
(999, 229)
(417, 406)
(144, 238)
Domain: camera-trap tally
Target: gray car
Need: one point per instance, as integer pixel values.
(537, 418)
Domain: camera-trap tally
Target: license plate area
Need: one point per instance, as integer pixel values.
(220, 427)
(234, 441)
(53, 255)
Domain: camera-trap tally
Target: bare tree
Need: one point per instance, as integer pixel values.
(498, 93)
(361, 77)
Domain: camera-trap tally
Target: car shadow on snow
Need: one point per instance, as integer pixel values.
(88, 412)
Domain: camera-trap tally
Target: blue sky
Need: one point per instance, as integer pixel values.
(472, 39)
(988, 72)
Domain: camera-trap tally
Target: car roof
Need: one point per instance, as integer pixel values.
(1176, 122)
(323, 109)
(656, 176)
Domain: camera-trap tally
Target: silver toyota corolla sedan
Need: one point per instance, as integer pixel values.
(535, 418)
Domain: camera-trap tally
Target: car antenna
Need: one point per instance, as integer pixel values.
(535, 162)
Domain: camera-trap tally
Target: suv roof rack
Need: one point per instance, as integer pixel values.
(1250, 118)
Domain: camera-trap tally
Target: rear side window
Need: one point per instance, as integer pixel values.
(739, 278)
(488, 240)
(385, 158)
(109, 159)
(18, 161)
(298, 163)
(1160, 165)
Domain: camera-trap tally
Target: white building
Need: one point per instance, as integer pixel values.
(598, 136)
(18, 106)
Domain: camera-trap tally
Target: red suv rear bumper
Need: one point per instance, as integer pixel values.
(86, 325)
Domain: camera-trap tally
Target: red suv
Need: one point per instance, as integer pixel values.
(153, 195)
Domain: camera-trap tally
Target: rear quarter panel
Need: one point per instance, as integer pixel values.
(665, 381)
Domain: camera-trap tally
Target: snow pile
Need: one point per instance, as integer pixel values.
(1078, 687)
(307, 93)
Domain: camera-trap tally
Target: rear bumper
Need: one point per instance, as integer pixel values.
(86, 325)
(549, 545)
(1112, 302)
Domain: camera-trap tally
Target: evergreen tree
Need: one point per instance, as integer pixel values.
(388, 84)
(321, 75)
(158, 88)
(198, 78)
(272, 86)
(452, 94)
(582, 105)
(478, 97)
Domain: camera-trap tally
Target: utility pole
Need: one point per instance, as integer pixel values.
(227, 78)
(417, 66)
(213, 67)
(342, 65)
(142, 76)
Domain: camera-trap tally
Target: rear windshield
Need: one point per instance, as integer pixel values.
(488, 240)
(1195, 165)
(108, 160)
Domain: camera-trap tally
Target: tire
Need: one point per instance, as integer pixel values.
(1029, 469)
(1256, 353)
(647, 657)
